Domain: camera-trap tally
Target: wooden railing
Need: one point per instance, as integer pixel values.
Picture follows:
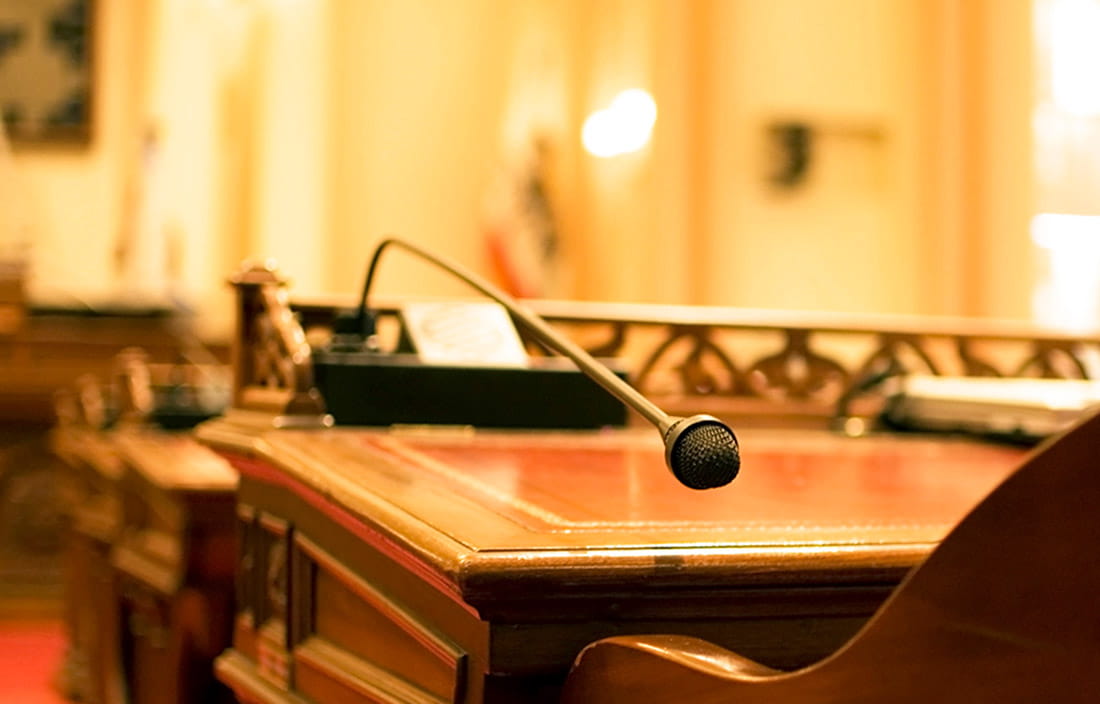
(767, 367)
(785, 367)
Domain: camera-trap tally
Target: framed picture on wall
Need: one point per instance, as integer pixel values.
(45, 70)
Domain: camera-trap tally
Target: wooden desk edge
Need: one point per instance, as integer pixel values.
(468, 571)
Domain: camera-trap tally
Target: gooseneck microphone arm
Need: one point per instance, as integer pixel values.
(701, 451)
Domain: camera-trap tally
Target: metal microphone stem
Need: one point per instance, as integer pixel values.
(701, 451)
(541, 331)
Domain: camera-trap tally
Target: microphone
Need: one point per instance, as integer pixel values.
(701, 450)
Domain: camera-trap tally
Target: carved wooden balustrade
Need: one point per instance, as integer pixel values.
(785, 367)
(769, 367)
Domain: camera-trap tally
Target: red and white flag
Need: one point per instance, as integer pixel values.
(521, 235)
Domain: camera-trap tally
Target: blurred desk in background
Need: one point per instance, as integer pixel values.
(173, 566)
(150, 542)
(44, 349)
(51, 346)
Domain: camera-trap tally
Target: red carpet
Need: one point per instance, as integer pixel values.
(30, 655)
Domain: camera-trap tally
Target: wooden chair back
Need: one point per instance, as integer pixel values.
(1006, 609)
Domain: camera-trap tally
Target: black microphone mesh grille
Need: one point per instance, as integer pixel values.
(706, 456)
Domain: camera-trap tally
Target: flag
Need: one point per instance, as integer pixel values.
(521, 235)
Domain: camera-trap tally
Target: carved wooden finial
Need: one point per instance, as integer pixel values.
(272, 361)
(256, 272)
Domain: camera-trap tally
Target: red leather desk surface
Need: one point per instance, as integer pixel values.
(466, 503)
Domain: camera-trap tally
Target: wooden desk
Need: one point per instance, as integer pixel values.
(43, 350)
(429, 567)
(174, 561)
(150, 560)
(92, 668)
(150, 550)
(442, 567)
(54, 346)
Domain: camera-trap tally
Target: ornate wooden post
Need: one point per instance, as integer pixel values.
(272, 362)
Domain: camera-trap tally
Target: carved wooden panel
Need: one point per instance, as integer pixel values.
(352, 619)
(326, 673)
(272, 647)
(248, 582)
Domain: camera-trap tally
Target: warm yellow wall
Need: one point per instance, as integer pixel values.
(419, 95)
(843, 239)
(307, 129)
(919, 191)
(638, 219)
(1006, 172)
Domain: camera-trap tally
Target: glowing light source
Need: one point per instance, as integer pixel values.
(623, 127)
(1057, 230)
(1068, 294)
(1074, 56)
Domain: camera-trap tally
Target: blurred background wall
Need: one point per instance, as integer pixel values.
(856, 155)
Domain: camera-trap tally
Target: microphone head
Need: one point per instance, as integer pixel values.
(702, 452)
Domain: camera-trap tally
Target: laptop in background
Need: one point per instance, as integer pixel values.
(1017, 409)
